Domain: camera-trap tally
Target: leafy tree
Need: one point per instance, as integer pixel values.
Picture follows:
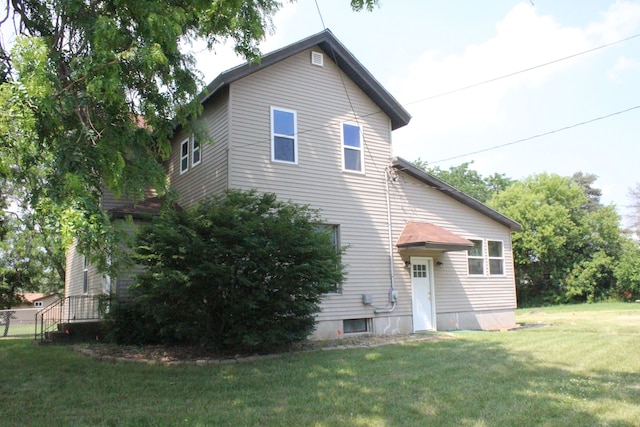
(91, 91)
(627, 270)
(468, 180)
(568, 248)
(585, 181)
(240, 271)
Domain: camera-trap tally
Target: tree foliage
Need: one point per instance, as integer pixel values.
(468, 180)
(241, 271)
(91, 92)
(569, 245)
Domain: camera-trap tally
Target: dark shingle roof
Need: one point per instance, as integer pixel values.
(405, 166)
(326, 41)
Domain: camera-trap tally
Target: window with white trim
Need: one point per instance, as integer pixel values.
(196, 154)
(184, 156)
(351, 326)
(85, 275)
(284, 143)
(496, 257)
(352, 153)
(334, 235)
(475, 258)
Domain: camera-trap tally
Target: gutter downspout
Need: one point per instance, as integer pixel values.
(393, 295)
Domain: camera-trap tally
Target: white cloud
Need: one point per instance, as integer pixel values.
(623, 65)
(523, 39)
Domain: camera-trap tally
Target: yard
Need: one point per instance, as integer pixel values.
(582, 370)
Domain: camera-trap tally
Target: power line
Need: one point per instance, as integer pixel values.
(495, 147)
(522, 71)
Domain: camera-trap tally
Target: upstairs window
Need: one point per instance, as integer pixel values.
(496, 257)
(196, 157)
(184, 156)
(475, 258)
(352, 148)
(284, 144)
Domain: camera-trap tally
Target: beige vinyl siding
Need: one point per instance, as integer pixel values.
(210, 176)
(354, 201)
(74, 275)
(455, 289)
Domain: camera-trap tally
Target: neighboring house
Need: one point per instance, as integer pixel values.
(312, 125)
(37, 300)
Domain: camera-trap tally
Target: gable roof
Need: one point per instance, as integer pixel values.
(328, 43)
(417, 173)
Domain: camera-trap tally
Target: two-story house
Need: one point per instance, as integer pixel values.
(312, 125)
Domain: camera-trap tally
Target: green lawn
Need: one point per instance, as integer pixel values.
(582, 371)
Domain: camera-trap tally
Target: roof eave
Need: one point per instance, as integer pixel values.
(339, 54)
(405, 166)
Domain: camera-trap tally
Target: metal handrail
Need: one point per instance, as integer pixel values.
(69, 309)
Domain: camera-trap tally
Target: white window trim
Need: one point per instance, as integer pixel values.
(85, 275)
(481, 257)
(184, 156)
(295, 136)
(193, 151)
(348, 147)
(501, 258)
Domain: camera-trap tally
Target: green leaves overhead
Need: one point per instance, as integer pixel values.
(92, 90)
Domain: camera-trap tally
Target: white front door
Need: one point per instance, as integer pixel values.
(423, 295)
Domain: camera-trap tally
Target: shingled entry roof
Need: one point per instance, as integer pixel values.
(430, 236)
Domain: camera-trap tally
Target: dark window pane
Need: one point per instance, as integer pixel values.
(495, 249)
(352, 160)
(283, 123)
(476, 266)
(185, 149)
(184, 165)
(351, 135)
(354, 325)
(283, 149)
(476, 250)
(496, 266)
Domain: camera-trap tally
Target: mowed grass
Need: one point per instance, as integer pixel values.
(582, 371)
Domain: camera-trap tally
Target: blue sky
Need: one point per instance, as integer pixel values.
(422, 48)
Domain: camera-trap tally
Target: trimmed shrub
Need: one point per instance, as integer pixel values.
(241, 271)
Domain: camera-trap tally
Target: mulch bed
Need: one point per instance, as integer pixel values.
(201, 355)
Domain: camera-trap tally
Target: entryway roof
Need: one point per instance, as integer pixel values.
(430, 236)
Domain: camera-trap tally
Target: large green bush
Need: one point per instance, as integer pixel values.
(241, 271)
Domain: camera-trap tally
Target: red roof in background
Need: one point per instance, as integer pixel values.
(430, 236)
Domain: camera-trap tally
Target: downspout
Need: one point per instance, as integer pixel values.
(393, 294)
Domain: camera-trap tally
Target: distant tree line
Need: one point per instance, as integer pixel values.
(572, 248)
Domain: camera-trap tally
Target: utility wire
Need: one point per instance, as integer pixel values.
(538, 135)
(324, 27)
(522, 71)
